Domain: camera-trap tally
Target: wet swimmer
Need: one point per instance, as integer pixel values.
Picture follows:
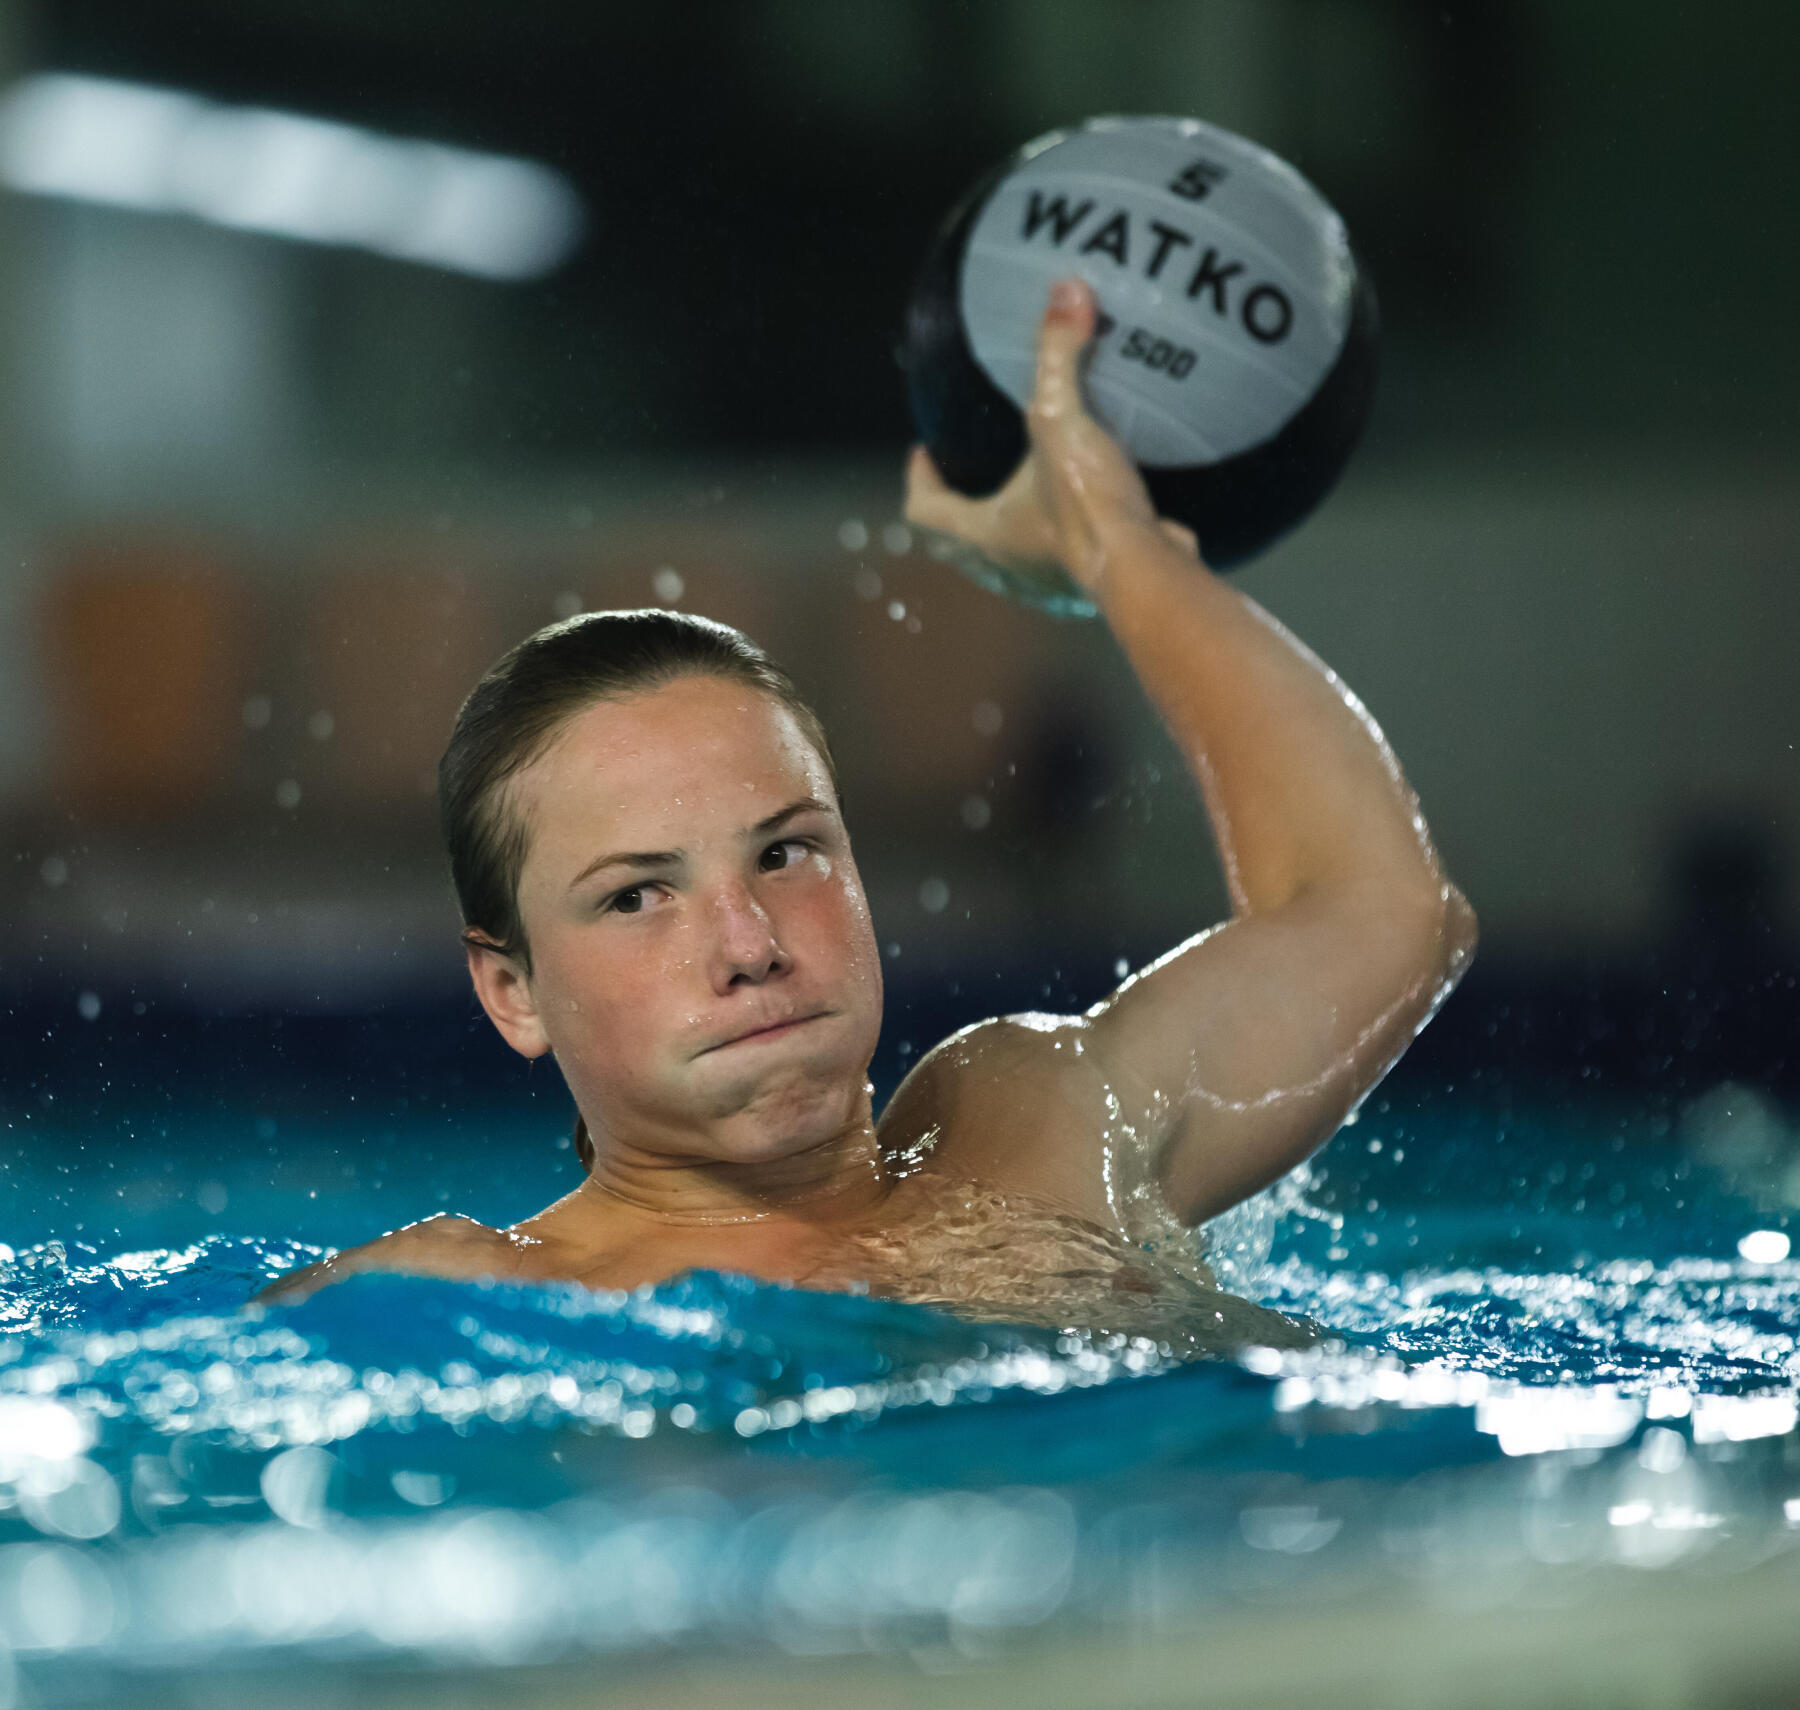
(659, 891)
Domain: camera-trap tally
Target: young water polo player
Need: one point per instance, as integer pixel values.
(659, 892)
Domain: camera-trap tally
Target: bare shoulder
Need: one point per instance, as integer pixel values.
(1013, 1101)
(445, 1245)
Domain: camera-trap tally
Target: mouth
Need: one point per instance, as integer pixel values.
(761, 1035)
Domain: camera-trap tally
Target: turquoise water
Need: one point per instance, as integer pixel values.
(1548, 1347)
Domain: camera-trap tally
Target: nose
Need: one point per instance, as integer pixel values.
(745, 949)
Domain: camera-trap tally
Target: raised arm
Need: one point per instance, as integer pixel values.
(1240, 1051)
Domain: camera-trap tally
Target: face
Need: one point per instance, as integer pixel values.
(703, 963)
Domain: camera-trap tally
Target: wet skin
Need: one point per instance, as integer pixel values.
(704, 970)
(714, 1011)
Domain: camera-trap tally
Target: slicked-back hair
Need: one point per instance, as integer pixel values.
(517, 709)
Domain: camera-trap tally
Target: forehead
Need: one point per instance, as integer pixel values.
(695, 746)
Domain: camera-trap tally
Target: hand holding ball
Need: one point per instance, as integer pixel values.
(1235, 352)
(1045, 533)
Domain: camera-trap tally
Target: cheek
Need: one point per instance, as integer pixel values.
(837, 918)
(601, 999)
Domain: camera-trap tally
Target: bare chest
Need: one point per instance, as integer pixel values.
(974, 1250)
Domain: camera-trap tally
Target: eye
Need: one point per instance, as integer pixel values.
(631, 901)
(789, 852)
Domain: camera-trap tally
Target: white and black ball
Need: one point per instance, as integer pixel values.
(1237, 348)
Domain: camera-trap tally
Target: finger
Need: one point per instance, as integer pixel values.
(931, 503)
(925, 487)
(1068, 324)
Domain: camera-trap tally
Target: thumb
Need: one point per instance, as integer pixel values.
(932, 503)
(1063, 334)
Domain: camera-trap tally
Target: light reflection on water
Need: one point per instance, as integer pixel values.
(434, 1470)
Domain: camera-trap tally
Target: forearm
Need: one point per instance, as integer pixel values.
(1237, 1053)
(1304, 796)
(1302, 791)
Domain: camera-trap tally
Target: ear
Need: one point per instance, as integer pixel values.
(505, 992)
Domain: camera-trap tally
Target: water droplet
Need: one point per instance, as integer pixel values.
(897, 538)
(934, 896)
(54, 871)
(668, 584)
(320, 726)
(977, 812)
(80, 1501)
(87, 1006)
(258, 710)
(853, 534)
(296, 1484)
(1759, 1247)
(422, 1489)
(987, 718)
(287, 793)
(1661, 1450)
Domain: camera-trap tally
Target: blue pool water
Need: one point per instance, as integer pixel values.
(1558, 1338)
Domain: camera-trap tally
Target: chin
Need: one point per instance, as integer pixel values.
(780, 1122)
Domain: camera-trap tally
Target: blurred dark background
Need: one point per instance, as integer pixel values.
(267, 506)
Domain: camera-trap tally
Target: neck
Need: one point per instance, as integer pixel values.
(834, 1178)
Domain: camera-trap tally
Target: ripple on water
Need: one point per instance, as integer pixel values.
(496, 1471)
(140, 1350)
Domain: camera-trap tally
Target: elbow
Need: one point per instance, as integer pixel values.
(1429, 917)
(1444, 949)
(1460, 933)
(1433, 935)
(1433, 950)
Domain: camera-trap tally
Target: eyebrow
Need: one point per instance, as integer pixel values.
(663, 858)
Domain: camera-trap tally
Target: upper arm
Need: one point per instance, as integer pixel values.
(1241, 1051)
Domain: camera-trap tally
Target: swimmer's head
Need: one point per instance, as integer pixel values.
(645, 833)
(515, 712)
